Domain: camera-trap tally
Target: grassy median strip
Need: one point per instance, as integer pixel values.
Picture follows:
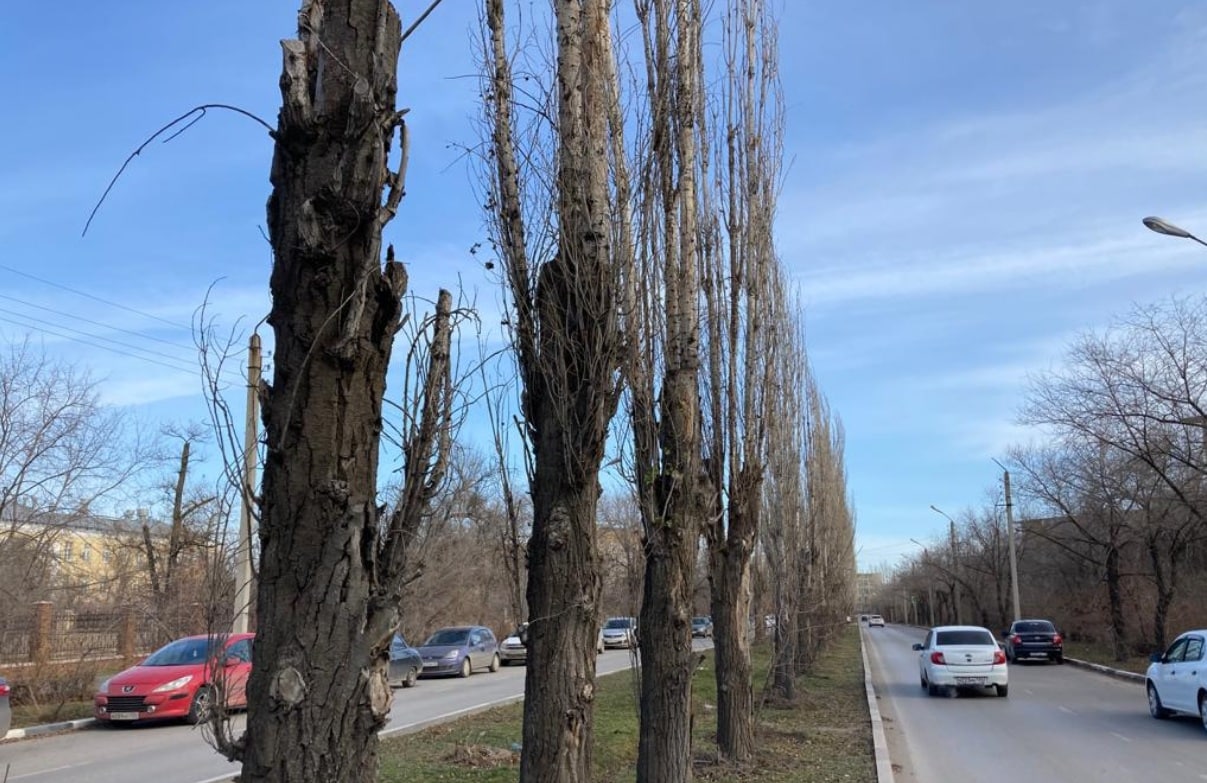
(1101, 652)
(823, 736)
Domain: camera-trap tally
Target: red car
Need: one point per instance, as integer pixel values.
(179, 680)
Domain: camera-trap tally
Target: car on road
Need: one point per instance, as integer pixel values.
(620, 632)
(702, 627)
(182, 679)
(961, 656)
(1028, 640)
(875, 621)
(459, 650)
(514, 649)
(1176, 680)
(6, 710)
(405, 663)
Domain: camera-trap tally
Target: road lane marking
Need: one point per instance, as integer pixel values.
(1120, 736)
(43, 772)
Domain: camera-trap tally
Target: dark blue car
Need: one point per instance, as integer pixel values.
(405, 663)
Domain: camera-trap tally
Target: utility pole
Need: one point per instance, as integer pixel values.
(243, 547)
(1013, 555)
(955, 568)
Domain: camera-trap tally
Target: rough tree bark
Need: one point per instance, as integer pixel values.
(330, 575)
(666, 416)
(568, 343)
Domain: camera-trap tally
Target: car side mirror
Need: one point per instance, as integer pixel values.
(1156, 657)
(916, 647)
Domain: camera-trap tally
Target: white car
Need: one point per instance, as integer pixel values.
(514, 649)
(875, 620)
(1176, 680)
(961, 656)
(620, 632)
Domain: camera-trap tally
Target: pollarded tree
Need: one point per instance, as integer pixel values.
(331, 559)
(555, 240)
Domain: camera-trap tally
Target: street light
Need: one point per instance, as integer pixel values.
(955, 563)
(1169, 229)
(930, 585)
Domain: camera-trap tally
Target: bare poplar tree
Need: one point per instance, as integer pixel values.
(665, 410)
(568, 343)
(740, 259)
(331, 560)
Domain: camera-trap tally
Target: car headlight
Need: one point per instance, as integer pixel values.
(179, 682)
(103, 687)
(452, 655)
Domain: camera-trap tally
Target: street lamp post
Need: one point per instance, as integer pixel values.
(955, 562)
(1169, 229)
(930, 585)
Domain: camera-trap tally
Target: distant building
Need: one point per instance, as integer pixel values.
(867, 589)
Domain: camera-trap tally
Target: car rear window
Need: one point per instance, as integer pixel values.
(1034, 626)
(963, 637)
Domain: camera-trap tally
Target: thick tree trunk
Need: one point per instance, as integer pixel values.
(318, 693)
(569, 347)
(731, 600)
(1114, 595)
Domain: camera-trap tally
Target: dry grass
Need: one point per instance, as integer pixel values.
(824, 737)
(1100, 652)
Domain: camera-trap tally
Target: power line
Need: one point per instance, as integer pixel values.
(92, 296)
(75, 317)
(89, 335)
(96, 345)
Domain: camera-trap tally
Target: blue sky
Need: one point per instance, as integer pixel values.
(963, 197)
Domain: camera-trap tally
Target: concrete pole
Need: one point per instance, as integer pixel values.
(243, 547)
(1013, 552)
(955, 569)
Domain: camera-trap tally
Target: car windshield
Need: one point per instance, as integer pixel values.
(184, 651)
(398, 643)
(945, 638)
(699, 621)
(1034, 626)
(448, 636)
(618, 622)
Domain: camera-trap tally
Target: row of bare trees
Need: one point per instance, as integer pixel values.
(1112, 534)
(631, 204)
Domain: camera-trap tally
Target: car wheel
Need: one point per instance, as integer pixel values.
(1155, 708)
(494, 663)
(466, 669)
(1203, 709)
(932, 689)
(1003, 690)
(922, 680)
(1060, 659)
(199, 710)
(411, 678)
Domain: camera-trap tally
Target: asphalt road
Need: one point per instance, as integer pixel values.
(1060, 723)
(175, 753)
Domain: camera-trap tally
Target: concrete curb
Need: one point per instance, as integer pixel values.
(884, 765)
(47, 728)
(1119, 674)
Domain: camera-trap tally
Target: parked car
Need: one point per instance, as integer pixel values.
(182, 679)
(702, 627)
(875, 621)
(620, 632)
(514, 649)
(961, 656)
(6, 710)
(405, 663)
(459, 650)
(1033, 640)
(1176, 680)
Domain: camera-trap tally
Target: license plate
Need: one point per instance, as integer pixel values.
(430, 665)
(123, 716)
(970, 680)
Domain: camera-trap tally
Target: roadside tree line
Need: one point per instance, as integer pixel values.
(1110, 496)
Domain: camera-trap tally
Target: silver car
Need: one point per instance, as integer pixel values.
(620, 632)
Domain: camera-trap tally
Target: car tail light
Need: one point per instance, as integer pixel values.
(998, 657)
(4, 689)
(1016, 639)
(1057, 640)
(937, 657)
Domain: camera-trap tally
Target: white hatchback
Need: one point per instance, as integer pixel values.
(961, 656)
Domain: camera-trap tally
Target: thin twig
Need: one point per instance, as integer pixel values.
(419, 21)
(188, 115)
